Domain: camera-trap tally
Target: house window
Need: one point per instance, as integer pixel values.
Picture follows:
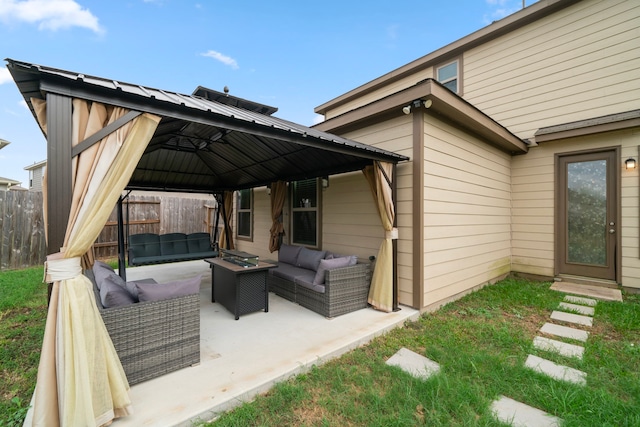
(244, 209)
(448, 75)
(31, 178)
(305, 213)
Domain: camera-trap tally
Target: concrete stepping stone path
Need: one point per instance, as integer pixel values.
(414, 364)
(578, 319)
(564, 332)
(581, 300)
(562, 348)
(518, 414)
(580, 309)
(553, 370)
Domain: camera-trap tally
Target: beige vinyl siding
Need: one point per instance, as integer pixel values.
(261, 226)
(349, 201)
(533, 204)
(579, 63)
(380, 93)
(467, 211)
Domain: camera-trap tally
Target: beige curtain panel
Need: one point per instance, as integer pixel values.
(278, 195)
(228, 210)
(80, 378)
(381, 291)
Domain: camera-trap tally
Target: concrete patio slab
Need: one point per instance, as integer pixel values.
(518, 414)
(564, 331)
(413, 363)
(597, 292)
(553, 370)
(562, 348)
(578, 319)
(581, 309)
(581, 300)
(245, 357)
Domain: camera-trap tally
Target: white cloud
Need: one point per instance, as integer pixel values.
(226, 60)
(318, 118)
(501, 9)
(23, 104)
(49, 14)
(5, 76)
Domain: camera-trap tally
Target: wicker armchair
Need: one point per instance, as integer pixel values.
(156, 337)
(346, 290)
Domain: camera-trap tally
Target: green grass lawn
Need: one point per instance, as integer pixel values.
(480, 341)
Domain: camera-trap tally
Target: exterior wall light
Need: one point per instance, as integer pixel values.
(325, 182)
(630, 163)
(406, 109)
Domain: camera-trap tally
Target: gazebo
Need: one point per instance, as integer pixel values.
(106, 136)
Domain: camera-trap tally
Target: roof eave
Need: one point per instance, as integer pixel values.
(445, 105)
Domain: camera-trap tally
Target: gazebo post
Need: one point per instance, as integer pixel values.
(122, 269)
(59, 182)
(394, 193)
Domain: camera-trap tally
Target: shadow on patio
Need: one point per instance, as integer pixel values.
(245, 357)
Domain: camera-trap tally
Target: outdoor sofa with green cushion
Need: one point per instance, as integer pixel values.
(149, 248)
(155, 327)
(326, 283)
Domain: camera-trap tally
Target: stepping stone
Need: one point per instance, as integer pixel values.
(564, 332)
(562, 348)
(414, 364)
(578, 319)
(580, 300)
(553, 370)
(587, 311)
(518, 414)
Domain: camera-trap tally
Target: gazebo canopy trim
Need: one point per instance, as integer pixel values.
(205, 145)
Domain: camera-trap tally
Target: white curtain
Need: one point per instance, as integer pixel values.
(80, 378)
(379, 177)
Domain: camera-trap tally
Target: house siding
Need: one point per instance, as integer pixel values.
(533, 204)
(364, 232)
(467, 212)
(528, 79)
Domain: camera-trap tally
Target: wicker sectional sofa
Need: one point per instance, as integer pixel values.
(153, 338)
(323, 282)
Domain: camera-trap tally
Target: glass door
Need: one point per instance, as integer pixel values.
(587, 214)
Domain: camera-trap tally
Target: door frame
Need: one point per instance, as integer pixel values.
(617, 193)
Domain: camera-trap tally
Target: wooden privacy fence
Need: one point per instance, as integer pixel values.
(22, 242)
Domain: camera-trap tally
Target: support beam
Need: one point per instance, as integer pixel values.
(122, 268)
(59, 181)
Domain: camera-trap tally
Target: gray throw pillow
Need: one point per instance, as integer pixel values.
(162, 291)
(288, 254)
(102, 270)
(329, 264)
(310, 259)
(113, 294)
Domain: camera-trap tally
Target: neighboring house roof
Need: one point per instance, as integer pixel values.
(10, 182)
(37, 165)
(3, 143)
(207, 146)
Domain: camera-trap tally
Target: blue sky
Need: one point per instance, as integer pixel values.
(294, 55)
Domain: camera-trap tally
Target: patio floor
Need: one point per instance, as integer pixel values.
(242, 358)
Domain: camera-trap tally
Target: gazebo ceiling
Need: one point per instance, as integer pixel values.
(208, 142)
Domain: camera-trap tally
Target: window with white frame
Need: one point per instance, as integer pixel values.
(305, 213)
(449, 75)
(244, 208)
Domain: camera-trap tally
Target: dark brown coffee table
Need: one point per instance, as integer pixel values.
(240, 289)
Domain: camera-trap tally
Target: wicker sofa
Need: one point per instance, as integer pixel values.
(153, 338)
(323, 282)
(149, 248)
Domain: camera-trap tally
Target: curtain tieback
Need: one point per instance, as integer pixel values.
(62, 269)
(391, 234)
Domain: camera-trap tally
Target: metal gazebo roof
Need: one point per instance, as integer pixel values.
(208, 143)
